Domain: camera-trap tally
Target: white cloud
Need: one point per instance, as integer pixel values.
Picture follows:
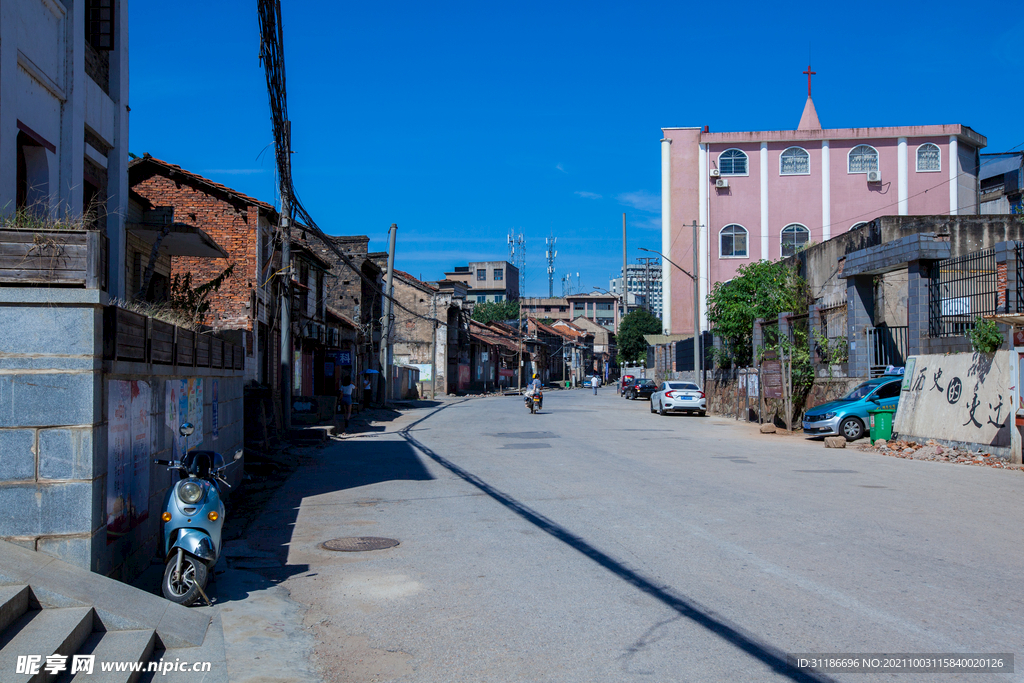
(560, 168)
(588, 195)
(642, 200)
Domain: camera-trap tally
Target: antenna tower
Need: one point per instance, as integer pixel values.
(551, 254)
(517, 257)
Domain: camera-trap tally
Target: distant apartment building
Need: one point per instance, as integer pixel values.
(556, 308)
(488, 281)
(643, 283)
(597, 307)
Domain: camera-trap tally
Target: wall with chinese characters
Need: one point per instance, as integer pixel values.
(961, 398)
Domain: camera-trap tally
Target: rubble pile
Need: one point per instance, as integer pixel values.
(937, 453)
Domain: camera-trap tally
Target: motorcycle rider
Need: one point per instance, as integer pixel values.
(534, 387)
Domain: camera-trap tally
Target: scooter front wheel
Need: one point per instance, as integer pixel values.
(184, 589)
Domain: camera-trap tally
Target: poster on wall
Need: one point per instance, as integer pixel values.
(183, 401)
(426, 371)
(214, 410)
(128, 453)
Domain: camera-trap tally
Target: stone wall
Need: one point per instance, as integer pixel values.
(54, 393)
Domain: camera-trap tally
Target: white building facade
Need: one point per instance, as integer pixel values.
(64, 114)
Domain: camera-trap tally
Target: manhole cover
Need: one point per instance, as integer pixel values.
(358, 544)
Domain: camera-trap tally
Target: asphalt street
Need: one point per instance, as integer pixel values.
(596, 541)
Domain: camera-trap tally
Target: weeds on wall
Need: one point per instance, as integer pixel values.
(985, 336)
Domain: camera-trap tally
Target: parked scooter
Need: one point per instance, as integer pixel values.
(193, 518)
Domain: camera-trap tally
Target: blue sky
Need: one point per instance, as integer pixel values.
(463, 121)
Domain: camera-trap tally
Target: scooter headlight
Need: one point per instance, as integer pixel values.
(190, 492)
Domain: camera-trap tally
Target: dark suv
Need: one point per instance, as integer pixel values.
(641, 388)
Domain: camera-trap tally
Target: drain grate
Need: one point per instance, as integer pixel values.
(358, 544)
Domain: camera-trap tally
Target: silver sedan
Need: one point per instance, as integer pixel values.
(679, 396)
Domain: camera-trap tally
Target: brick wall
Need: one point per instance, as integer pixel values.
(234, 225)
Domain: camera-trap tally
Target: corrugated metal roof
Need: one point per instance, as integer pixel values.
(993, 166)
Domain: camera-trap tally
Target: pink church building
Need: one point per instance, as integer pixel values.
(765, 194)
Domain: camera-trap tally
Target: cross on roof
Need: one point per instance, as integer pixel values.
(809, 74)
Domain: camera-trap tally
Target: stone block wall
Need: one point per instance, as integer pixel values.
(53, 430)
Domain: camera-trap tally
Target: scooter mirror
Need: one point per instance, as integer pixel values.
(186, 429)
(238, 455)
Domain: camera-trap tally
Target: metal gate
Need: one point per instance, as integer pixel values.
(887, 346)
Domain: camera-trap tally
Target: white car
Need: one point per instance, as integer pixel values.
(679, 396)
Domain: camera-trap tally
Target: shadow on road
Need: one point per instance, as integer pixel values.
(263, 546)
(686, 607)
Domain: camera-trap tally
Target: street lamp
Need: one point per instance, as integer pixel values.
(698, 365)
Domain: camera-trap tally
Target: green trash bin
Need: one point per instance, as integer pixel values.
(881, 423)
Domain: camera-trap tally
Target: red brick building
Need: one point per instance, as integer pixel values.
(243, 227)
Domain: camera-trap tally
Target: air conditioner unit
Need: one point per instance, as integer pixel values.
(874, 176)
(715, 173)
(721, 182)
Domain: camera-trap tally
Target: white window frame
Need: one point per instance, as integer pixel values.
(849, 157)
(745, 231)
(746, 165)
(917, 158)
(783, 232)
(806, 153)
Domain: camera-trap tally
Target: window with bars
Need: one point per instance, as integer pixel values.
(795, 161)
(794, 237)
(732, 162)
(863, 158)
(99, 24)
(929, 158)
(733, 241)
(481, 275)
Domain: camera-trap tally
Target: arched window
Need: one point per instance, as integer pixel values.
(794, 237)
(863, 158)
(732, 241)
(795, 161)
(929, 158)
(732, 162)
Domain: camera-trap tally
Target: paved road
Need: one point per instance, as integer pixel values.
(598, 542)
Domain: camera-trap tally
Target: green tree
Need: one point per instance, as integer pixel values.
(491, 311)
(760, 290)
(630, 339)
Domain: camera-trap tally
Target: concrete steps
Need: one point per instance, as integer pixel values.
(49, 607)
(116, 646)
(44, 632)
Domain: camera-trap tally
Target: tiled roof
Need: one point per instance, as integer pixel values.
(415, 281)
(195, 177)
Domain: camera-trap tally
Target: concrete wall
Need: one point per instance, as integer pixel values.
(54, 388)
(959, 399)
(820, 265)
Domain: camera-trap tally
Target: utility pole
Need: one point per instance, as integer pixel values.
(698, 337)
(625, 296)
(697, 359)
(286, 290)
(386, 325)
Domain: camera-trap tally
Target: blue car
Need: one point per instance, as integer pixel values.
(848, 416)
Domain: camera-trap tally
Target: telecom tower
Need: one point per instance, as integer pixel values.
(551, 254)
(517, 257)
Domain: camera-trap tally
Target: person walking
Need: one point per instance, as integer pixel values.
(595, 381)
(367, 392)
(346, 397)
